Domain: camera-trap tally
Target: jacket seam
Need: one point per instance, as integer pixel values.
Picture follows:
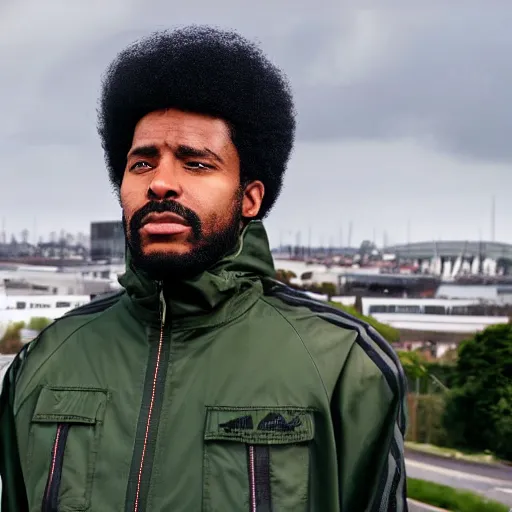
(53, 353)
(303, 344)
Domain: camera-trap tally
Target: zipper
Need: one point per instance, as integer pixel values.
(252, 480)
(163, 310)
(260, 498)
(51, 493)
(147, 427)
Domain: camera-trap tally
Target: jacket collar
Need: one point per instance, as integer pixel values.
(235, 281)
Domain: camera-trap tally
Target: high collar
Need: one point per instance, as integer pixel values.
(233, 282)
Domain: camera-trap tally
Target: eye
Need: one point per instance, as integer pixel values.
(140, 165)
(198, 165)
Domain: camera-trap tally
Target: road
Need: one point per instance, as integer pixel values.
(493, 481)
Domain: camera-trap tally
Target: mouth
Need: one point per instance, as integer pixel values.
(164, 224)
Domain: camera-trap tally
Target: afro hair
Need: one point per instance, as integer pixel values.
(209, 71)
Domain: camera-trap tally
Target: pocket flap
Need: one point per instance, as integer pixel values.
(69, 405)
(265, 425)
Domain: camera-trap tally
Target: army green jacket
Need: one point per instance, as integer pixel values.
(228, 392)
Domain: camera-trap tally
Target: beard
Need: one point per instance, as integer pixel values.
(206, 251)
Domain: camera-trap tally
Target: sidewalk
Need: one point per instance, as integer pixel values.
(416, 506)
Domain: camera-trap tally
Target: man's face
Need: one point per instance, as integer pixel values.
(183, 202)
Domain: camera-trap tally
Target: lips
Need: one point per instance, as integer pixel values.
(164, 224)
(166, 217)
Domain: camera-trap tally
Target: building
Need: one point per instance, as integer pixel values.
(457, 258)
(107, 241)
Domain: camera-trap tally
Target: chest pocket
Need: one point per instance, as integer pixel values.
(63, 443)
(257, 459)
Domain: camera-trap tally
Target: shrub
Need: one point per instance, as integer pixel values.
(38, 323)
(479, 408)
(11, 342)
(426, 413)
(285, 275)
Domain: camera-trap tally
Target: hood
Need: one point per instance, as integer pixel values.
(230, 282)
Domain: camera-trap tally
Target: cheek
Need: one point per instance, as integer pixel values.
(217, 209)
(131, 198)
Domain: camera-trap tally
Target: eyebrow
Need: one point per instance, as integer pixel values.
(144, 152)
(184, 151)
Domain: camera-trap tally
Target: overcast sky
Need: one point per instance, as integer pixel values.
(405, 113)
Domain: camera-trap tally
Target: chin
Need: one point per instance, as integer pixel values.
(165, 248)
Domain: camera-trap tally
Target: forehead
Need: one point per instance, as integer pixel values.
(173, 127)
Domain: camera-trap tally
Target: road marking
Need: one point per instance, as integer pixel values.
(456, 474)
(503, 489)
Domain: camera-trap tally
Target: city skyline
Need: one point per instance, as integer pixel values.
(285, 237)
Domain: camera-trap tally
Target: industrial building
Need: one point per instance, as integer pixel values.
(455, 258)
(107, 241)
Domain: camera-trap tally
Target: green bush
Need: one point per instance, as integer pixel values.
(11, 341)
(13, 331)
(479, 407)
(446, 373)
(502, 414)
(426, 413)
(450, 499)
(38, 323)
(426, 377)
(284, 275)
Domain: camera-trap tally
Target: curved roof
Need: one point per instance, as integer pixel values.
(452, 249)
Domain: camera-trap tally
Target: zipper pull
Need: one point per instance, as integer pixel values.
(163, 307)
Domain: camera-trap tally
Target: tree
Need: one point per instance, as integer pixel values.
(328, 289)
(285, 276)
(358, 304)
(11, 341)
(38, 323)
(479, 408)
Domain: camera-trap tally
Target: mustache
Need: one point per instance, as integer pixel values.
(166, 206)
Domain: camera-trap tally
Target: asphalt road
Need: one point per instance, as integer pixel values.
(492, 481)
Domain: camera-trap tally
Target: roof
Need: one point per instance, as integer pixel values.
(452, 248)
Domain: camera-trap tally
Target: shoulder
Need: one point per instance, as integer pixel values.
(97, 305)
(344, 338)
(73, 320)
(301, 309)
(49, 339)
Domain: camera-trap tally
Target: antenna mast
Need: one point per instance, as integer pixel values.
(493, 219)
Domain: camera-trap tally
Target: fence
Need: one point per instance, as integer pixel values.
(426, 419)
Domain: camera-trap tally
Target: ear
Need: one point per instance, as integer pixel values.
(253, 196)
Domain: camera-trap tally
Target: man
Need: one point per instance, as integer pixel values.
(205, 385)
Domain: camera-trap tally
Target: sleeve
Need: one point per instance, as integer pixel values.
(368, 411)
(13, 491)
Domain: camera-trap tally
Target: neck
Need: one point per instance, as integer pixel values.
(239, 272)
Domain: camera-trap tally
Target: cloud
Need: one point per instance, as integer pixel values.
(437, 76)
(444, 78)
(35, 38)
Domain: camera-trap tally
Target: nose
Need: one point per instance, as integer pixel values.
(165, 183)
